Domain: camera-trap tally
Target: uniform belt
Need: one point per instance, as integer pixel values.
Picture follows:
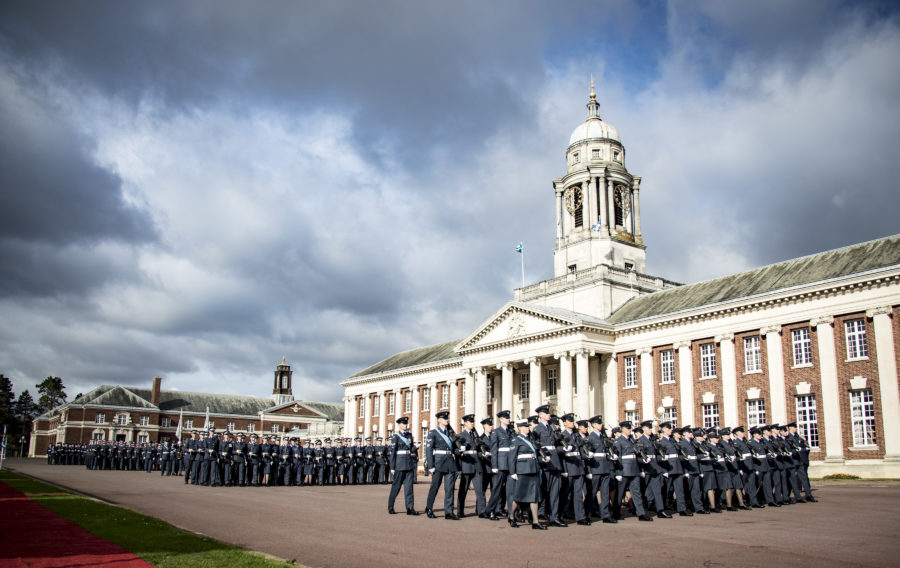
(745, 456)
(504, 449)
(597, 455)
(402, 452)
(549, 447)
(572, 454)
(671, 456)
(720, 459)
(440, 452)
(469, 452)
(692, 458)
(627, 457)
(525, 456)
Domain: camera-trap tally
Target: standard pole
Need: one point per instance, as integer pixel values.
(523, 267)
(3, 448)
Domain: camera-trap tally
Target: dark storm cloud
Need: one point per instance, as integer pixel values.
(53, 191)
(359, 58)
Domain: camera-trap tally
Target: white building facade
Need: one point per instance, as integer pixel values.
(812, 340)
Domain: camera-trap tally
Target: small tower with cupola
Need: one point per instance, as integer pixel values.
(282, 393)
(598, 219)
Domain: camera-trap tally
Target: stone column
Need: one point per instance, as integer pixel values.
(610, 201)
(534, 384)
(586, 203)
(506, 388)
(382, 412)
(469, 385)
(564, 388)
(775, 356)
(415, 421)
(685, 382)
(435, 404)
(454, 404)
(601, 203)
(348, 414)
(479, 407)
(582, 379)
(367, 426)
(831, 396)
(595, 380)
(560, 232)
(637, 211)
(647, 406)
(594, 206)
(610, 390)
(729, 378)
(887, 380)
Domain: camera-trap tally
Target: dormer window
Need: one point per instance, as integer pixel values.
(595, 154)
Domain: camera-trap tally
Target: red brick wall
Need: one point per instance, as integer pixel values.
(702, 386)
(746, 380)
(633, 393)
(846, 370)
(811, 375)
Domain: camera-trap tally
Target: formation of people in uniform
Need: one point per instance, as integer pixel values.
(557, 468)
(237, 459)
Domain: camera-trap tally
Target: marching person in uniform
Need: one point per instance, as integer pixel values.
(403, 465)
(499, 442)
(574, 470)
(601, 466)
(672, 466)
(552, 465)
(440, 461)
(471, 467)
(629, 474)
(803, 458)
(526, 471)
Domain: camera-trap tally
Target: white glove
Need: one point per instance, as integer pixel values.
(494, 471)
(392, 472)
(701, 476)
(618, 478)
(666, 475)
(590, 476)
(431, 470)
(687, 475)
(565, 474)
(643, 475)
(514, 476)
(757, 473)
(547, 459)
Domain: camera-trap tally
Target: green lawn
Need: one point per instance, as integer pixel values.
(157, 542)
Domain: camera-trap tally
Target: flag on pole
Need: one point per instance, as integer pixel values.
(596, 227)
(178, 430)
(520, 248)
(206, 426)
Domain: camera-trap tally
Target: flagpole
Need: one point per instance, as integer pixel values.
(523, 267)
(3, 448)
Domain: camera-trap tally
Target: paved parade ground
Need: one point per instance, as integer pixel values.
(852, 525)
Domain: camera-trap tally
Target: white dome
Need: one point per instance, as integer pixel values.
(593, 128)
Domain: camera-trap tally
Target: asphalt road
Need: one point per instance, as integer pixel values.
(349, 526)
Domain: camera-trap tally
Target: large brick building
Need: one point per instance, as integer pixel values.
(812, 340)
(129, 414)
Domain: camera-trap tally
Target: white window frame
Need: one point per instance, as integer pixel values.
(801, 345)
(552, 382)
(463, 393)
(212, 425)
(376, 407)
(631, 416)
(667, 366)
(145, 421)
(576, 158)
(407, 403)
(426, 399)
(362, 407)
(670, 414)
(711, 417)
(97, 436)
(251, 427)
(445, 396)
(121, 419)
(807, 419)
(391, 403)
(490, 387)
(189, 424)
(595, 153)
(524, 385)
(166, 422)
(855, 335)
(708, 361)
(630, 371)
(143, 438)
(862, 417)
(752, 354)
(229, 426)
(756, 412)
(275, 428)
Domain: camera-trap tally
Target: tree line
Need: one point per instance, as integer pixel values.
(17, 413)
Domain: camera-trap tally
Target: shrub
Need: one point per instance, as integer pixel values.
(841, 476)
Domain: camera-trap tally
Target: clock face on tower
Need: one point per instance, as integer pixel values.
(573, 199)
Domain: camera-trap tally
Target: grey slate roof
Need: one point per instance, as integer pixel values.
(420, 356)
(836, 263)
(173, 401)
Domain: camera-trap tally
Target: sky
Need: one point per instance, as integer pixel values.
(197, 189)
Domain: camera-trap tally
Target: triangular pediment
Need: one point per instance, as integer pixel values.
(294, 408)
(516, 320)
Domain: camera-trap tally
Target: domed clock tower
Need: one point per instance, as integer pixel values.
(282, 392)
(598, 214)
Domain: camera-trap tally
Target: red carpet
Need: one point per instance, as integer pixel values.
(32, 535)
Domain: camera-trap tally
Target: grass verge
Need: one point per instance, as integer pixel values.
(153, 540)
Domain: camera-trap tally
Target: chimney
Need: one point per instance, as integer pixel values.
(154, 393)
